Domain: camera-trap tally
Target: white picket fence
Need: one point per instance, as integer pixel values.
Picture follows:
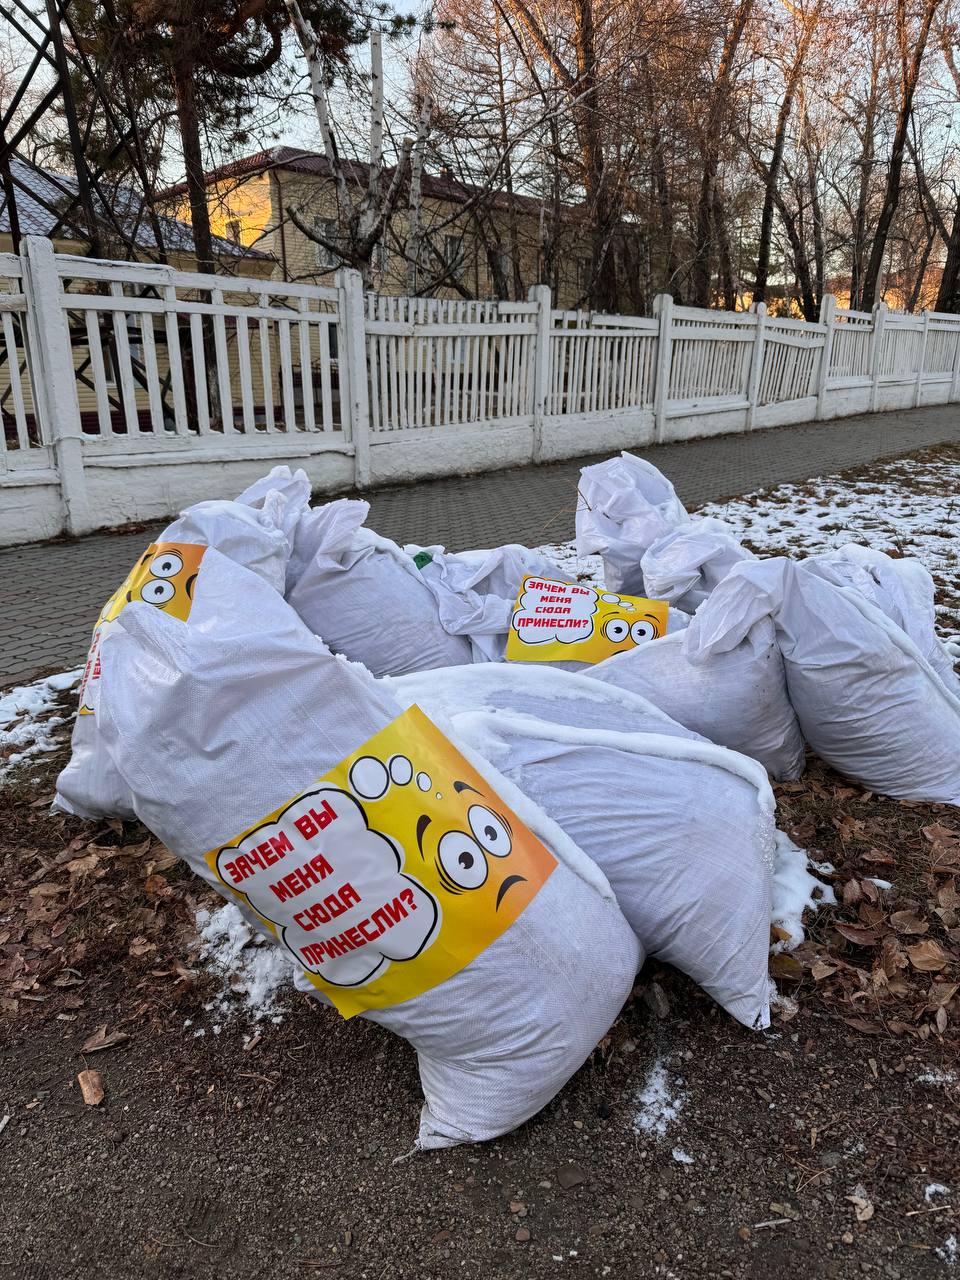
(128, 390)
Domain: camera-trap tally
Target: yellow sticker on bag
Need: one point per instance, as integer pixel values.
(164, 576)
(563, 621)
(392, 873)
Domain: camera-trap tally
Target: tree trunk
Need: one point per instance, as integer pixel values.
(701, 272)
(909, 76)
(776, 159)
(185, 90)
(724, 265)
(948, 297)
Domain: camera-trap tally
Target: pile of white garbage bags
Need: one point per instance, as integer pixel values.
(839, 649)
(218, 726)
(401, 609)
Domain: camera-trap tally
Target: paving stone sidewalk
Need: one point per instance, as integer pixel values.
(50, 593)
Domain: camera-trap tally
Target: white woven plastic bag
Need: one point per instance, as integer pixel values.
(365, 597)
(902, 588)
(476, 591)
(682, 829)
(685, 565)
(867, 700)
(624, 506)
(737, 698)
(218, 731)
(170, 575)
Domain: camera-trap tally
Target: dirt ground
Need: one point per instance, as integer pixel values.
(272, 1151)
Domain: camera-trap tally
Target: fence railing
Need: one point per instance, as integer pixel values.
(110, 370)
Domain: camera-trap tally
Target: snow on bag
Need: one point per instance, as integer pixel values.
(685, 565)
(624, 506)
(682, 829)
(867, 700)
(902, 588)
(737, 698)
(170, 575)
(388, 861)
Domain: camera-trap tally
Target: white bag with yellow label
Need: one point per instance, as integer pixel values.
(683, 830)
(409, 881)
(170, 576)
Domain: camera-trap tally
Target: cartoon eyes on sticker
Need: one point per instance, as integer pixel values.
(616, 630)
(641, 631)
(166, 565)
(490, 830)
(157, 591)
(461, 861)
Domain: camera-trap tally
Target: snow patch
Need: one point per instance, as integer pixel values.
(659, 1103)
(26, 728)
(795, 890)
(900, 510)
(935, 1189)
(949, 1251)
(681, 1156)
(937, 1077)
(587, 570)
(255, 974)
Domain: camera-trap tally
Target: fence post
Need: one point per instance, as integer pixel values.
(663, 310)
(918, 386)
(828, 317)
(955, 382)
(756, 363)
(353, 353)
(53, 378)
(542, 352)
(879, 324)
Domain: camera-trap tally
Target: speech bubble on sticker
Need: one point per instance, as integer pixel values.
(562, 621)
(332, 887)
(554, 612)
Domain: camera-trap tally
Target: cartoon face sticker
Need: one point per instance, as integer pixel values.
(392, 872)
(164, 576)
(557, 621)
(468, 859)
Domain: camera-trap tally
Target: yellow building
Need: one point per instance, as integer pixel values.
(476, 243)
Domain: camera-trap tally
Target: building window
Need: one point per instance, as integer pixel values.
(453, 253)
(504, 270)
(381, 257)
(233, 230)
(328, 228)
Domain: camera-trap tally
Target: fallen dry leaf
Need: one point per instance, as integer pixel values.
(102, 1039)
(928, 956)
(858, 933)
(80, 866)
(820, 970)
(908, 922)
(91, 1086)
